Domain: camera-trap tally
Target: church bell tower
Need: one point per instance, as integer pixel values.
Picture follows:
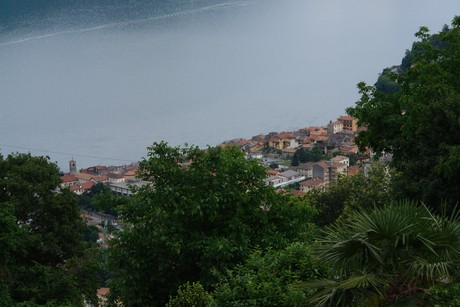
(72, 166)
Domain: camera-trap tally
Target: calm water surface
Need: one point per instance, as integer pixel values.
(102, 80)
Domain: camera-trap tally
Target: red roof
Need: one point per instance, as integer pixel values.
(87, 185)
(346, 118)
(74, 187)
(68, 178)
(312, 182)
(353, 170)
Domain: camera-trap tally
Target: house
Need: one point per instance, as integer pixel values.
(282, 140)
(87, 177)
(276, 142)
(329, 171)
(318, 134)
(349, 123)
(284, 178)
(115, 178)
(334, 127)
(81, 188)
(341, 159)
(100, 179)
(288, 153)
(289, 174)
(312, 184)
(353, 170)
(68, 180)
(321, 170)
(130, 174)
(125, 188)
(84, 177)
(96, 170)
(275, 181)
(304, 169)
(272, 172)
(348, 147)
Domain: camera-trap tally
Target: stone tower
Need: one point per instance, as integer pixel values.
(72, 166)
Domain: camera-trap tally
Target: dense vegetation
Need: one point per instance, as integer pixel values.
(43, 258)
(207, 231)
(418, 120)
(198, 220)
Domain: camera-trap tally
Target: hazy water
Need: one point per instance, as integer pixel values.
(107, 78)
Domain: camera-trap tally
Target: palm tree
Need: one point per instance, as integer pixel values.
(386, 255)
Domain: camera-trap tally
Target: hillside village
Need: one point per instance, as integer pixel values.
(337, 155)
(275, 150)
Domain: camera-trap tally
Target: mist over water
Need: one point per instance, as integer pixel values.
(106, 78)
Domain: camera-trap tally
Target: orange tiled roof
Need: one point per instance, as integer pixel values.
(87, 185)
(312, 182)
(346, 118)
(353, 170)
(74, 187)
(68, 178)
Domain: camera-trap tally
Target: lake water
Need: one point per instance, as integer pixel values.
(100, 81)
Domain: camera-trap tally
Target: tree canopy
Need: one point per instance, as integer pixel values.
(203, 213)
(419, 119)
(43, 259)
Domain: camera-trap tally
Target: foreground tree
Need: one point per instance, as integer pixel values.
(43, 259)
(418, 121)
(267, 278)
(387, 255)
(204, 212)
(361, 191)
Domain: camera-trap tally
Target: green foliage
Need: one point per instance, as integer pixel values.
(302, 155)
(91, 234)
(273, 165)
(385, 83)
(100, 198)
(386, 254)
(42, 253)
(195, 219)
(352, 193)
(267, 279)
(191, 295)
(107, 202)
(446, 295)
(419, 123)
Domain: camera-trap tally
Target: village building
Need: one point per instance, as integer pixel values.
(304, 169)
(349, 123)
(335, 127)
(329, 171)
(312, 184)
(67, 180)
(341, 159)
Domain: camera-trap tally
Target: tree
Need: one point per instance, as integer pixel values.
(267, 278)
(302, 155)
(352, 193)
(386, 255)
(419, 123)
(191, 294)
(43, 259)
(203, 213)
